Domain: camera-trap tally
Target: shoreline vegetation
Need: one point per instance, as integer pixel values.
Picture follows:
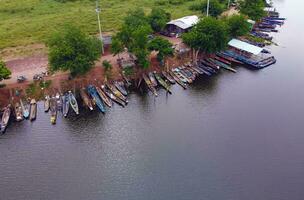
(142, 55)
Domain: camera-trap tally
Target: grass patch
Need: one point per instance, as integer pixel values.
(32, 21)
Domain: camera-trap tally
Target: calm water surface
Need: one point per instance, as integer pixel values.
(233, 137)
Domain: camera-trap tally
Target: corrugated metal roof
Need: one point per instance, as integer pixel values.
(245, 46)
(185, 22)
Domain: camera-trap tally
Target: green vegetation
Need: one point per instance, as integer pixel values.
(32, 21)
(216, 7)
(45, 84)
(4, 71)
(254, 9)
(163, 46)
(71, 49)
(237, 25)
(107, 68)
(210, 35)
(158, 19)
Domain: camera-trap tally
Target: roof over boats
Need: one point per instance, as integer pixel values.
(185, 22)
(244, 46)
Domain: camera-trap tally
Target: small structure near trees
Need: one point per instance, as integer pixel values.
(176, 27)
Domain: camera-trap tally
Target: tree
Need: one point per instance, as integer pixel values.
(209, 36)
(215, 8)
(134, 36)
(237, 25)
(4, 71)
(163, 46)
(158, 19)
(73, 50)
(107, 67)
(254, 9)
(117, 47)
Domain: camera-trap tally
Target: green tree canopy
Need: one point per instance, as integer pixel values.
(4, 71)
(210, 35)
(163, 46)
(237, 25)
(71, 49)
(134, 36)
(116, 46)
(158, 19)
(254, 9)
(215, 7)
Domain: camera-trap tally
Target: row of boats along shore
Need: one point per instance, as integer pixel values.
(102, 97)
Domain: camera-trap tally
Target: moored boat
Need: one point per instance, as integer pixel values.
(121, 88)
(25, 108)
(46, 103)
(5, 118)
(112, 96)
(225, 66)
(86, 99)
(152, 79)
(149, 84)
(65, 105)
(116, 92)
(73, 103)
(177, 79)
(104, 97)
(33, 110)
(183, 78)
(162, 83)
(93, 92)
(53, 109)
(18, 112)
(168, 77)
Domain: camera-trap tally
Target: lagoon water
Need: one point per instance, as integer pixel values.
(233, 137)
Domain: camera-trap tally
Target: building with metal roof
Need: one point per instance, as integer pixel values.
(244, 46)
(178, 26)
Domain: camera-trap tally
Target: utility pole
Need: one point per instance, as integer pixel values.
(208, 3)
(98, 10)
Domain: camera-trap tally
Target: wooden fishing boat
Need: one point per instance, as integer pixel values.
(182, 77)
(18, 112)
(168, 77)
(196, 69)
(86, 99)
(116, 92)
(205, 71)
(149, 84)
(212, 64)
(65, 105)
(112, 96)
(53, 110)
(73, 103)
(93, 92)
(229, 58)
(46, 103)
(222, 60)
(187, 73)
(5, 118)
(104, 97)
(162, 83)
(25, 108)
(127, 80)
(180, 82)
(224, 66)
(59, 101)
(33, 110)
(120, 86)
(152, 79)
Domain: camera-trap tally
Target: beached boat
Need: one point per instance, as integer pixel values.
(149, 84)
(127, 80)
(120, 86)
(53, 110)
(225, 66)
(180, 82)
(182, 77)
(73, 103)
(5, 118)
(65, 105)
(152, 79)
(222, 60)
(86, 99)
(93, 92)
(196, 69)
(104, 97)
(25, 108)
(33, 110)
(168, 77)
(59, 102)
(18, 112)
(112, 96)
(46, 103)
(117, 93)
(162, 83)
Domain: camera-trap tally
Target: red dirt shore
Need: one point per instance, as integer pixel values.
(31, 65)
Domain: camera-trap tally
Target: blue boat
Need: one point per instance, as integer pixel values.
(94, 94)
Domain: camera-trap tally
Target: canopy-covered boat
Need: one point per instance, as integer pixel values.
(25, 108)
(73, 103)
(18, 112)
